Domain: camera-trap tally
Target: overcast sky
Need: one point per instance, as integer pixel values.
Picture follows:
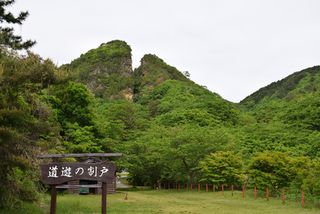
(234, 47)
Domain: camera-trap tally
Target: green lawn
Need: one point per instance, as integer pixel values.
(177, 202)
(164, 201)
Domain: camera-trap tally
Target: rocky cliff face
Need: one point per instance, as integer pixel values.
(106, 70)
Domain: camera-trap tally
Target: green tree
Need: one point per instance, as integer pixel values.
(161, 154)
(275, 170)
(73, 103)
(80, 139)
(311, 182)
(222, 168)
(7, 37)
(188, 145)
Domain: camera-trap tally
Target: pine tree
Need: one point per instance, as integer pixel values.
(7, 37)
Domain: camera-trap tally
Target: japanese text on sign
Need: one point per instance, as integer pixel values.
(56, 173)
(69, 171)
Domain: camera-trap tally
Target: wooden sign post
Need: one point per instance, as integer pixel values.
(104, 198)
(55, 174)
(53, 205)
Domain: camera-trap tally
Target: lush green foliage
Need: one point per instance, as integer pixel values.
(285, 132)
(27, 125)
(186, 122)
(272, 169)
(72, 103)
(222, 168)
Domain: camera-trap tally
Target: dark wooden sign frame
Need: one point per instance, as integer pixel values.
(55, 174)
(59, 173)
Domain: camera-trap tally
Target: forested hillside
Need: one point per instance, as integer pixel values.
(169, 128)
(290, 108)
(297, 84)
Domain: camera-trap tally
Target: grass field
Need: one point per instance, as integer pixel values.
(148, 202)
(178, 202)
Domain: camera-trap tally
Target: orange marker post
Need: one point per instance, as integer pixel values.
(222, 189)
(255, 192)
(243, 191)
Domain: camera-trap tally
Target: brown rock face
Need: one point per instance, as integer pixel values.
(106, 70)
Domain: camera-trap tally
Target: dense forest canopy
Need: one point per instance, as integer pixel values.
(169, 128)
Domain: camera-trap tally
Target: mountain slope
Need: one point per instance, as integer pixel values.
(152, 72)
(292, 100)
(174, 98)
(303, 82)
(287, 114)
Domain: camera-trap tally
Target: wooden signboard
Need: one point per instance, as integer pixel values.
(59, 173)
